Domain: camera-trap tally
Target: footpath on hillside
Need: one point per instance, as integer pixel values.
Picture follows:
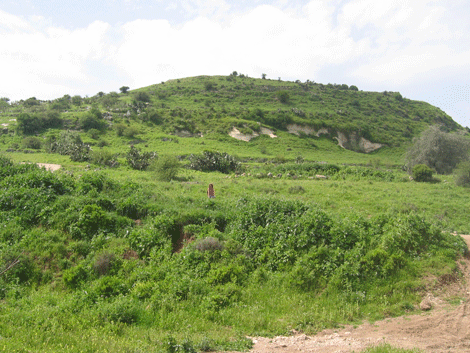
(445, 328)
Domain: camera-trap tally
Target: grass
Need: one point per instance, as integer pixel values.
(156, 300)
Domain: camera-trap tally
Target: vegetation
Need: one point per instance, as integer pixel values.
(438, 150)
(421, 172)
(303, 234)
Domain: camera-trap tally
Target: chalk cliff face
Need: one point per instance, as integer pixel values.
(351, 141)
(235, 133)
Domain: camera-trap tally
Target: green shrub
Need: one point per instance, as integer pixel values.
(462, 174)
(94, 133)
(142, 96)
(93, 120)
(106, 263)
(104, 158)
(109, 286)
(32, 142)
(422, 173)
(166, 167)
(209, 244)
(214, 161)
(69, 143)
(122, 309)
(139, 160)
(283, 96)
(75, 276)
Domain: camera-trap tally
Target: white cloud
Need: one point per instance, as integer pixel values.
(12, 23)
(42, 63)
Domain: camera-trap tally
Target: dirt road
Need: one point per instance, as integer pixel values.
(445, 328)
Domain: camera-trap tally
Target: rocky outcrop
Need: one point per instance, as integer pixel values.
(351, 141)
(235, 133)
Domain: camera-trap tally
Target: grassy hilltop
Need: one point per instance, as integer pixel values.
(204, 110)
(120, 250)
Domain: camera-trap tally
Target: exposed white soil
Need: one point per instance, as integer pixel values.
(235, 133)
(48, 166)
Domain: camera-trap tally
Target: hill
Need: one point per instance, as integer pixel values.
(120, 249)
(210, 108)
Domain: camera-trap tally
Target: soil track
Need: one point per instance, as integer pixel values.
(445, 328)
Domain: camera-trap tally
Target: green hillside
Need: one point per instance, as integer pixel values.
(204, 110)
(121, 250)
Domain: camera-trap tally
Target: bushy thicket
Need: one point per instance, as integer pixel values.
(137, 159)
(122, 257)
(421, 172)
(210, 161)
(28, 124)
(69, 143)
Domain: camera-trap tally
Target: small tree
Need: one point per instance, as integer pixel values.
(438, 150)
(421, 172)
(263, 76)
(124, 89)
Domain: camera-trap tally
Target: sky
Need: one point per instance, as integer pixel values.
(420, 48)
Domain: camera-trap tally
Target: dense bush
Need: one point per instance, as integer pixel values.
(211, 161)
(421, 172)
(139, 160)
(283, 96)
(32, 142)
(166, 167)
(69, 143)
(462, 173)
(93, 120)
(104, 158)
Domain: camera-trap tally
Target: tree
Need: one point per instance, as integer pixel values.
(4, 102)
(77, 100)
(124, 89)
(438, 150)
(27, 124)
(263, 76)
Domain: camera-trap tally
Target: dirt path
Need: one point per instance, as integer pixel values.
(445, 328)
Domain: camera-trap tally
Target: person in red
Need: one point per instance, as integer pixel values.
(210, 191)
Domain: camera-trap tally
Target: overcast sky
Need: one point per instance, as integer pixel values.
(420, 48)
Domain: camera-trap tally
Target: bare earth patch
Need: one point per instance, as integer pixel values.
(444, 328)
(51, 167)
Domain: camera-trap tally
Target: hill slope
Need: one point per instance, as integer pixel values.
(214, 106)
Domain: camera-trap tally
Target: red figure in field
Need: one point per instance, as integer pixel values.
(210, 191)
